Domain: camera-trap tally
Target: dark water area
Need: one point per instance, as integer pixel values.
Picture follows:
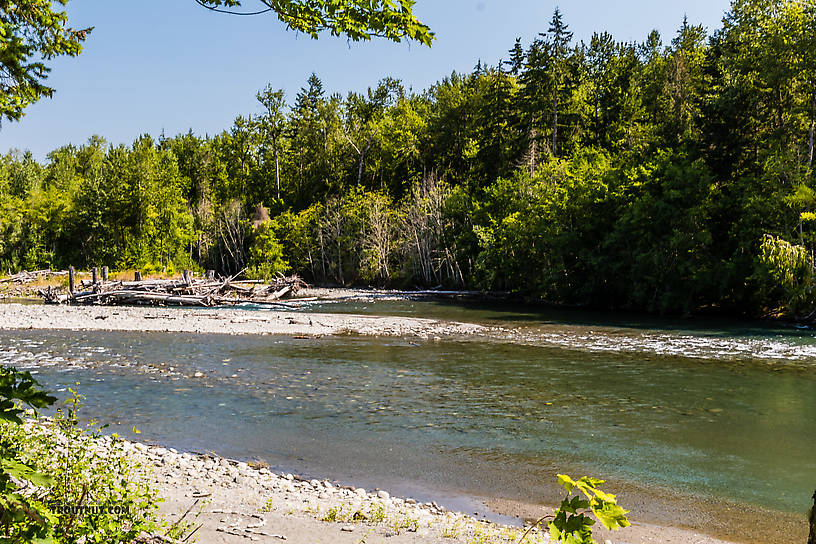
(711, 415)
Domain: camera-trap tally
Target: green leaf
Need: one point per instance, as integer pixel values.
(611, 515)
(24, 472)
(566, 482)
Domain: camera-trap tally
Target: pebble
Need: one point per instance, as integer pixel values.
(204, 476)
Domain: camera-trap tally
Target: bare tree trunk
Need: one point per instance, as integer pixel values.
(340, 262)
(277, 164)
(555, 123)
(322, 252)
(812, 112)
(362, 159)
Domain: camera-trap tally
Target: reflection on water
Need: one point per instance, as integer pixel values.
(416, 412)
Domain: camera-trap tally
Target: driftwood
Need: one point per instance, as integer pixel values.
(35, 275)
(185, 291)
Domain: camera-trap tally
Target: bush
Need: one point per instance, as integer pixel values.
(266, 255)
(63, 483)
(570, 524)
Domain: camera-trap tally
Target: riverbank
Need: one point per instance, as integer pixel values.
(224, 321)
(229, 501)
(492, 478)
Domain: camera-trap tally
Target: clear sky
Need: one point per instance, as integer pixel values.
(169, 65)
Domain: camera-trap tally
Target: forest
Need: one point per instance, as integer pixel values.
(667, 176)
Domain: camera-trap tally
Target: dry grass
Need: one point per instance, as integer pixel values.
(128, 275)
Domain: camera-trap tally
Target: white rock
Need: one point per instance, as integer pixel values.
(360, 491)
(383, 495)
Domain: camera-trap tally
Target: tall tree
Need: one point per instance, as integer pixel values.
(559, 37)
(273, 123)
(516, 61)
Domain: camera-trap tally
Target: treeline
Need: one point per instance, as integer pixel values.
(668, 177)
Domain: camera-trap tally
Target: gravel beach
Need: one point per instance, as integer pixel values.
(225, 321)
(233, 502)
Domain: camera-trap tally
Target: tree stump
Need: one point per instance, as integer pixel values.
(95, 275)
(137, 276)
(71, 280)
(104, 274)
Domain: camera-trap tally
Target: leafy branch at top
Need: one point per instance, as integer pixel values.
(359, 20)
(31, 32)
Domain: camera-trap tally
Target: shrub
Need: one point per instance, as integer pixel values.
(266, 255)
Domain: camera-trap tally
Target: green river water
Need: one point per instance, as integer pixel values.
(695, 418)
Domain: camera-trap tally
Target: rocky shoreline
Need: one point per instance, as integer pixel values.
(225, 321)
(228, 501)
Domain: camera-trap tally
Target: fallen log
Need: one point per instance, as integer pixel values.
(185, 291)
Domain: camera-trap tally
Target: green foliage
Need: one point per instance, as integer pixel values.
(790, 268)
(571, 524)
(611, 174)
(22, 516)
(356, 19)
(15, 387)
(266, 255)
(31, 33)
(72, 491)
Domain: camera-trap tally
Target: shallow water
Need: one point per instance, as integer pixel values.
(726, 419)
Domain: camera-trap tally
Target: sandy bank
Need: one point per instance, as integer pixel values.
(226, 321)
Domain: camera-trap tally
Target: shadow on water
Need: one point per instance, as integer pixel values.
(522, 314)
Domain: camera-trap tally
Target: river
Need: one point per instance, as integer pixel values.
(699, 423)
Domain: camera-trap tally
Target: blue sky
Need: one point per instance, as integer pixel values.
(169, 65)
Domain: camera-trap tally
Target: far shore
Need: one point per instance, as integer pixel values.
(225, 321)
